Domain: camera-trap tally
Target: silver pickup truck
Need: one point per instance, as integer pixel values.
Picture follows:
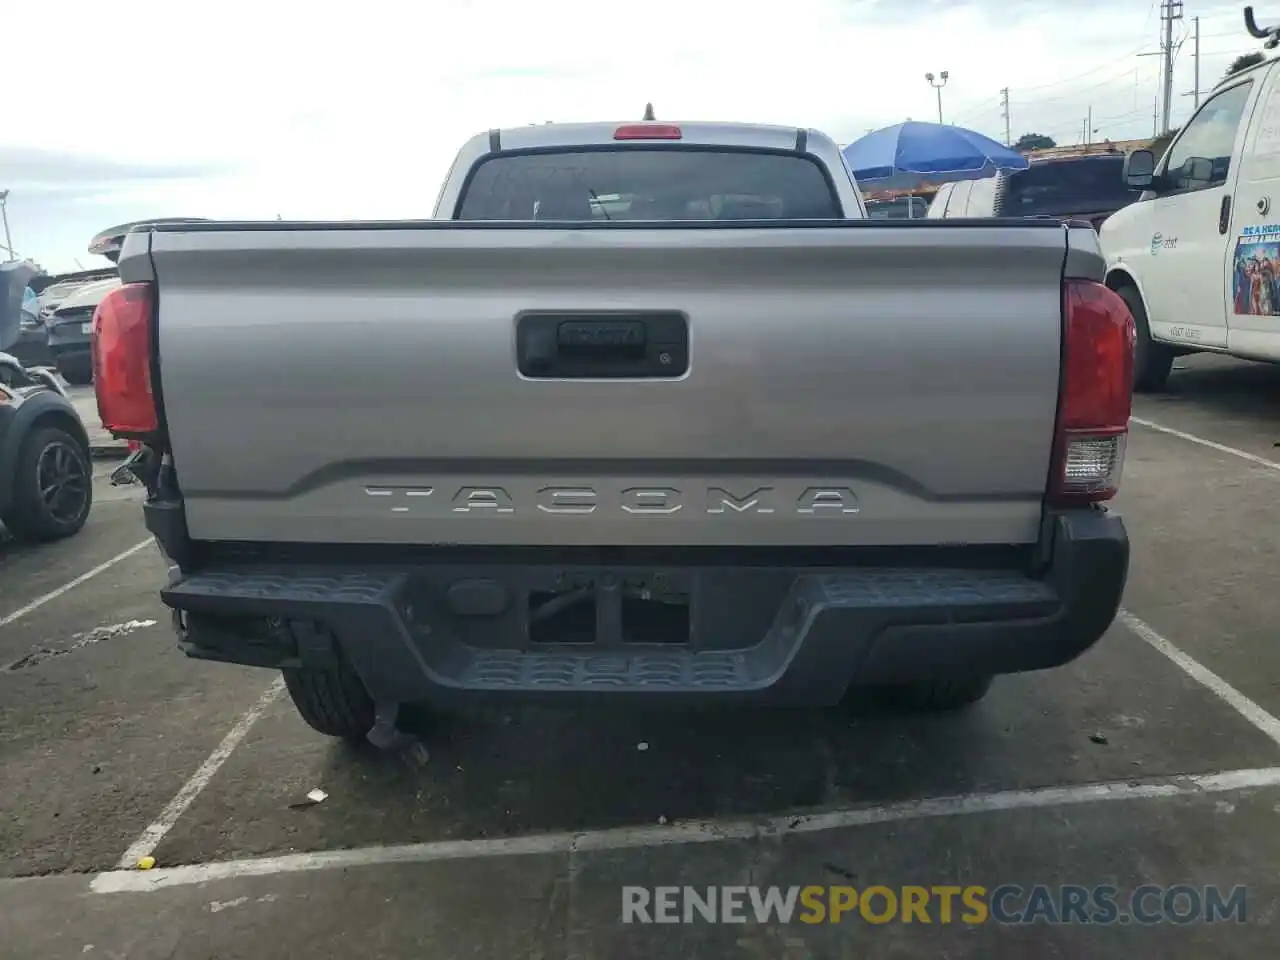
(646, 412)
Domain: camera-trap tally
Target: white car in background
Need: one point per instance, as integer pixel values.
(964, 198)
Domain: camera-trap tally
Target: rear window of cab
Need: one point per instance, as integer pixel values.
(640, 183)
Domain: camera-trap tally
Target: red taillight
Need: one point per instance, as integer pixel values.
(1096, 394)
(122, 361)
(647, 131)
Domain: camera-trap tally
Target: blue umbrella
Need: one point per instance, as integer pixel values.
(910, 153)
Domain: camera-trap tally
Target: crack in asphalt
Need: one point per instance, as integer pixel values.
(78, 641)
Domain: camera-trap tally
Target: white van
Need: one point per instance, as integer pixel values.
(964, 198)
(1197, 257)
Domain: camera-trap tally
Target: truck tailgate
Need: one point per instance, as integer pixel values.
(846, 384)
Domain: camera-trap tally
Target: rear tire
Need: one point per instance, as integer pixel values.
(55, 462)
(76, 372)
(333, 702)
(1152, 361)
(938, 696)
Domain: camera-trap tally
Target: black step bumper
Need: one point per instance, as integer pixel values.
(799, 636)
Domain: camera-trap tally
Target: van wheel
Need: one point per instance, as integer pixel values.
(1152, 361)
(333, 702)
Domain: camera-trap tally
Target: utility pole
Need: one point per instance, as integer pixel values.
(4, 215)
(1004, 112)
(1088, 127)
(937, 86)
(1196, 88)
(1170, 10)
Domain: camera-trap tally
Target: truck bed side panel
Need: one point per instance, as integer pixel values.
(895, 385)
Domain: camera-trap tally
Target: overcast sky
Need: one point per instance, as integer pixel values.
(253, 109)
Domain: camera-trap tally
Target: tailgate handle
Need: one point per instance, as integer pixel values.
(607, 345)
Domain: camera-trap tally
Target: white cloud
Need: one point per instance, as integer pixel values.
(355, 110)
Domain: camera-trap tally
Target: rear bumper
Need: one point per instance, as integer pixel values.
(68, 340)
(32, 347)
(776, 635)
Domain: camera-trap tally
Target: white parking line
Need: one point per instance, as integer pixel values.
(1211, 444)
(150, 838)
(39, 602)
(146, 881)
(127, 879)
(1197, 671)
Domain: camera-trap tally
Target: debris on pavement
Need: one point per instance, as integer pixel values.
(642, 746)
(313, 797)
(1098, 737)
(77, 641)
(839, 871)
(416, 754)
(146, 863)
(217, 906)
(662, 821)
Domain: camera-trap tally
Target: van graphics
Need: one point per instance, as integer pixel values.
(1255, 272)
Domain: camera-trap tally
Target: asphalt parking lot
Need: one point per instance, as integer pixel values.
(1154, 759)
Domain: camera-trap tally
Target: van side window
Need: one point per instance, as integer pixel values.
(1201, 156)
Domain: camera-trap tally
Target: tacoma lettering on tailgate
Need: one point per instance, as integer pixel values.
(638, 501)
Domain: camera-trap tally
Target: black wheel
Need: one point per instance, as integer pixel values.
(52, 486)
(77, 372)
(937, 695)
(332, 702)
(1152, 361)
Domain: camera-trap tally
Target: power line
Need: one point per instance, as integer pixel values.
(1130, 71)
(1080, 76)
(986, 102)
(1006, 101)
(1233, 52)
(967, 111)
(975, 107)
(1175, 31)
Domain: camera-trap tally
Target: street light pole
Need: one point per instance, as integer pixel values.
(4, 215)
(937, 85)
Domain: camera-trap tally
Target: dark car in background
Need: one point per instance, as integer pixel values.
(68, 301)
(1087, 187)
(21, 333)
(70, 329)
(1078, 188)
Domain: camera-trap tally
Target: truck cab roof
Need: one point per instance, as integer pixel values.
(631, 135)
(703, 133)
